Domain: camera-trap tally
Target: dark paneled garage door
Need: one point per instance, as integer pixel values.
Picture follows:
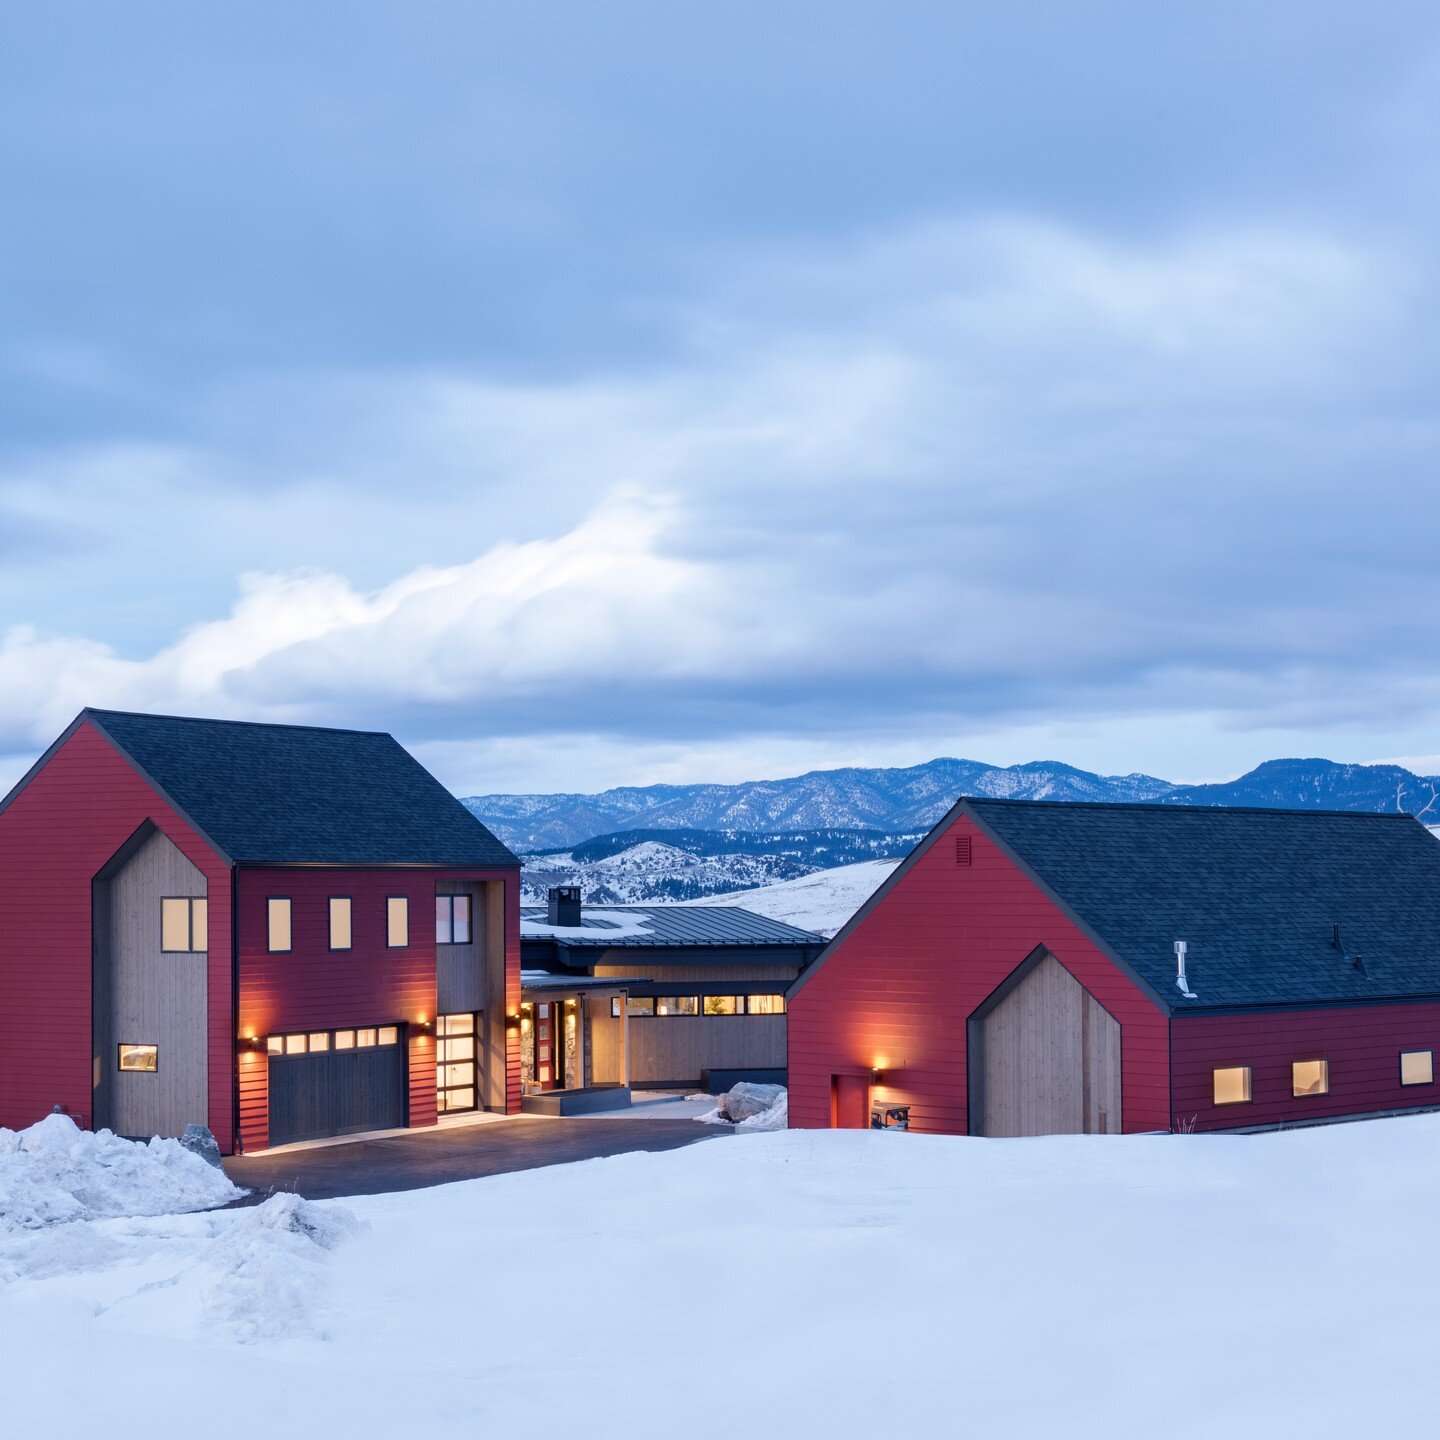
(319, 1087)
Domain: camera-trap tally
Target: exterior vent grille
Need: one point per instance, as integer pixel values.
(962, 849)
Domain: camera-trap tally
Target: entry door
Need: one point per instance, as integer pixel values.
(850, 1102)
(1044, 1057)
(456, 1076)
(546, 1047)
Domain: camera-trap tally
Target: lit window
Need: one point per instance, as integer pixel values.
(339, 922)
(182, 925)
(320, 1040)
(364, 1039)
(641, 1005)
(1310, 1077)
(1232, 1085)
(724, 1004)
(1417, 1067)
(452, 919)
(765, 1004)
(397, 922)
(144, 1058)
(278, 915)
(276, 1044)
(344, 1039)
(677, 1005)
(294, 1044)
(388, 1035)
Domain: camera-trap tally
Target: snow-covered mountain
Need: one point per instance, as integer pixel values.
(652, 871)
(821, 902)
(912, 799)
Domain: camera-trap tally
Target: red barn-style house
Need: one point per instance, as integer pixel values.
(1042, 968)
(280, 931)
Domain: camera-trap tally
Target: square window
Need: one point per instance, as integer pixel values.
(1231, 1085)
(277, 909)
(339, 922)
(388, 1035)
(397, 922)
(364, 1039)
(276, 1044)
(1417, 1067)
(344, 1039)
(1310, 1077)
(142, 1058)
(320, 1040)
(294, 1044)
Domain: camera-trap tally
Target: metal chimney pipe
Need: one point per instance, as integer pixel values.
(1180, 980)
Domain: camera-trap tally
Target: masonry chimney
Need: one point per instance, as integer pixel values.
(564, 905)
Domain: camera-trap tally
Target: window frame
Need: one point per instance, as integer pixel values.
(1413, 1084)
(678, 1014)
(1324, 1064)
(1247, 1099)
(122, 1046)
(189, 902)
(766, 995)
(271, 948)
(330, 904)
(633, 1000)
(403, 901)
(737, 1003)
(447, 898)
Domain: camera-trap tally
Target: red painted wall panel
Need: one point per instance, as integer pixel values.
(897, 994)
(1361, 1042)
(57, 834)
(312, 987)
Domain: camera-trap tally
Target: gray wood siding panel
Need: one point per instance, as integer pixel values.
(492, 1023)
(680, 1047)
(460, 969)
(725, 977)
(144, 996)
(1049, 1059)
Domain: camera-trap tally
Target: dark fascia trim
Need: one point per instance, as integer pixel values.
(1277, 1007)
(450, 867)
(963, 807)
(155, 785)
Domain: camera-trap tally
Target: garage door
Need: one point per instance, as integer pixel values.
(336, 1082)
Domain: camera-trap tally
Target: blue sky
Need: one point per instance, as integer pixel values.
(619, 393)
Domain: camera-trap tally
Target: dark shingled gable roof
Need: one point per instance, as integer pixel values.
(613, 927)
(297, 794)
(1254, 893)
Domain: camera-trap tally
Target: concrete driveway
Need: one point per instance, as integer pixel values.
(414, 1159)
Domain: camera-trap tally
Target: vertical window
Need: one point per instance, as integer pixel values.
(278, 917)
(339, 922)
(452, 919)
(1231, 1085)
(397, 922)
(1310, 1077)
(182, 925)
(1417, 1067)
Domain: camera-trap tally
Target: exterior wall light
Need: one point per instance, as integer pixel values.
(423, 1024)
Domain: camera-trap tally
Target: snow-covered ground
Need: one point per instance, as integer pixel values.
(828, 1285)
(822, 902)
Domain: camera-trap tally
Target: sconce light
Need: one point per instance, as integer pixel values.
(424, 1025)
(252, 1042)
(512, 1022)
(877, 1076)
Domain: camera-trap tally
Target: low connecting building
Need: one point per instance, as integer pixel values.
(703, 989)
(1037, 968)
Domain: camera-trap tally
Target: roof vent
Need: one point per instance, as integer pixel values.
(1180, 981)
(564, 905)
(962, 849)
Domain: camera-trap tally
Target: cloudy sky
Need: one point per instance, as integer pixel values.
(600, 394)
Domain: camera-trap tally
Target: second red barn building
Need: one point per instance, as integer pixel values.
(1038, 968)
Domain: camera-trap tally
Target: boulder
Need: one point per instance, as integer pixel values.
(744, 1100)
(199, 1141)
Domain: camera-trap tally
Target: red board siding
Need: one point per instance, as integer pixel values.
(56, 835)
(1361, 1042)
(897, 993)
(312, 987)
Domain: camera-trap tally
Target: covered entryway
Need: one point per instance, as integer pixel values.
(336, 1082)
(1044, 1057)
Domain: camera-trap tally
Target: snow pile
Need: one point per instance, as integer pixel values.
(750, 1107)
(820, 903)
(271, 1264)
(775, 1117)
(54, 1173)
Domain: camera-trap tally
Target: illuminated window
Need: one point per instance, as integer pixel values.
(294, 1044)
(344, 1039)
(765, 1004)
(182, 925)
(278, 917)
(397, 922)
(1310, 1077)
(276, 1044)
(677, 1005)
(320, 1041)
(1417, 1067)
(641, 1005)
(452, 919)
(388, 1035)
(1232, 1085)
(364, 1039)
(339, 922)
(144, 1058)
(724, 1004)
